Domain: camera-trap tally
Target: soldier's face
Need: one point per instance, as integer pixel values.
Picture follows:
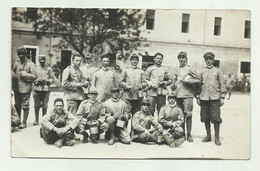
(105, 62)
(158, 59)
(183, 60)
(22, 57)
(92, 96)
(88, 60)
(145, 108)
(58, 107)
(171, 100)
(134, 61)
(209, 61)
(77, 61)
(115, 94)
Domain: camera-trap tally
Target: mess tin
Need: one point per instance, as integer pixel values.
(120, 123)
(93, 130)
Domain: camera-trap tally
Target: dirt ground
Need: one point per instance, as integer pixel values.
(234, 135)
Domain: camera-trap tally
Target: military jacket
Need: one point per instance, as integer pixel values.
(43, 73)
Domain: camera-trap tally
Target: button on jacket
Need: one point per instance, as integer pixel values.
(53, 119)
(43, 73)
(133, 77)
(156, 74)
(25, 83)
(91, 110)
(142, 122)
(213, 87)
(70, 78)
(104, 80)
(183, 90)
(171, 115)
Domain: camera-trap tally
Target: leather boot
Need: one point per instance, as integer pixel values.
(25, 117)
(44, 111)
(208, 137)
(169, 140)
(85, 137)
(112, 139)
(36, 112)
(183, 127)
(188, 125)
(217, 140)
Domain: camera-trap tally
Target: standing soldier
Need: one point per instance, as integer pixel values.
(171, 118)
(58, 126)
(104, 80)
(42, 88)
(211, 97)
(230, 82)
(142, 122)
(73, 84)
(91, 114)
(132, 80)
(184, 80)
(157, 79)
(24, 70)
(118, 109)
(87, 71)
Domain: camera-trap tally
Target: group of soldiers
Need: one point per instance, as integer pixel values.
(95, 103)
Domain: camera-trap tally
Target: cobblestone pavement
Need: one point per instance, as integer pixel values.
(234, 135)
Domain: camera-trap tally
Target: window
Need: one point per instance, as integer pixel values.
(150, 19)
(147, 61)
(245, 67)
(217, 26)
(185, 23)
(216, 63)
(247, 32)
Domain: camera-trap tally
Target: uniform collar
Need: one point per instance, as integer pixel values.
(115, 100)
(173, 105)
(209, 67)
(74, 66)
(105, 69)
(134, 67)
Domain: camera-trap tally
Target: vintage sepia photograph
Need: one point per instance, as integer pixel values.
(118, 83)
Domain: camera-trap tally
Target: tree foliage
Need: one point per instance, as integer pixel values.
(89, 30)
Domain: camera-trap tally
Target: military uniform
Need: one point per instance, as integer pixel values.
(25, 74)
(104, 80)
(42, 88)
(133, 77)
(71, 77)
(87, 72)
(53, 120)
(141, 125)
(118, 109)
(90, 112)
(15, 120)
(157, 93)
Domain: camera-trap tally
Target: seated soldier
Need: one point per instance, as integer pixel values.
(119, 110)
(15, 120)
(91, 114)
(171, 118)
(142, 121)
(58, 126)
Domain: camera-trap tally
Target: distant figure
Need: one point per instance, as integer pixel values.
(58, 126)
(230, 82)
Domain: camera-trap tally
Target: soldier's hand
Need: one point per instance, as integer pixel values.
(161, 83)
(59, 131)
(80, 84)
(160, 129)
(22, 73)
(221, 102)
(198, 102)
(167, 124)
(146, 131)
(104, 127)
(128, 87)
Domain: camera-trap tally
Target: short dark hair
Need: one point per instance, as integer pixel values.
(76, 55)
(158, 53)
(105, 56)
(59, 100)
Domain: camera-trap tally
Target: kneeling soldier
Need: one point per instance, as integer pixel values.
(119, 110)
(171, 118)
(58, 126)
(142, 121)
(92, 116)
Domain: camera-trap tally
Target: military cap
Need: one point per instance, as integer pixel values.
(134, 56)
(182, 54)
(114, 89)
(21, 51)
(145, 101)
(93, 91)
(171, 94)
(209, 55)
(42, 58)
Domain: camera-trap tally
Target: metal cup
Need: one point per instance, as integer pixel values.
(159, 139)
(93, 130)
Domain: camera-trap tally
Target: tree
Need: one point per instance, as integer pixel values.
(89, 30)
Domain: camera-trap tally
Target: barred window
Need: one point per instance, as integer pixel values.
(185, 23)
(150, 19)
(217, 26)
(247, 33)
